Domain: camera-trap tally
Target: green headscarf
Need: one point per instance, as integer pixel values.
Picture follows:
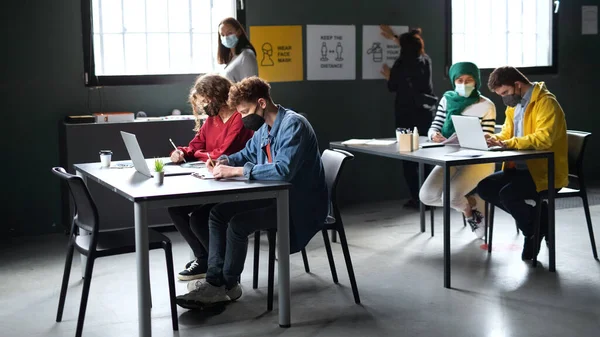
(455, 103)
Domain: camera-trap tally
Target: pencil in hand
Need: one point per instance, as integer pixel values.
(210, 162)
(176, 149)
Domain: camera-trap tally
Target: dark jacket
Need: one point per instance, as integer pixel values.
(410, 79)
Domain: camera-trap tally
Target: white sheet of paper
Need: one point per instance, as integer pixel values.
(203, 173)
(356, 141)
(330, 52)
(368, 142)
(589, 20)
(381, 142)
(377, 51)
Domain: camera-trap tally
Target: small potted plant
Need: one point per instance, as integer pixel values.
(159, 171)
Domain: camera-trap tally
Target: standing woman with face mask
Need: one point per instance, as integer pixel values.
(235, 51)
(466, 100)
(410, 79)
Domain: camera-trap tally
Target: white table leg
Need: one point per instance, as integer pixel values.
(82, 257)
(143, 269)
(283, 261)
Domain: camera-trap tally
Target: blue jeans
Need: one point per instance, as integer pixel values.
(229, 225)
(508, 190)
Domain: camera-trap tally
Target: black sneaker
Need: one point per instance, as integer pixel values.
(528, 251)
(187, 265)
(196, 270)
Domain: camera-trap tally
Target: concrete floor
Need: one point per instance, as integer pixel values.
(399, 274)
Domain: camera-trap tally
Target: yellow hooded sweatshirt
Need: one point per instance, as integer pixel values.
(544, 128)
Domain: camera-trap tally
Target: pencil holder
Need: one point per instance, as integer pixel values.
(405, 142)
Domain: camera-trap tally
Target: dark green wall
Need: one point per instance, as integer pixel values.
(42, 70)
(42, 81)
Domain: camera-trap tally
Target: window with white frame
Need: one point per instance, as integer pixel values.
(493, 33)
(156, 37)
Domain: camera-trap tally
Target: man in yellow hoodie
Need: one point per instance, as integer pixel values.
(534, 121)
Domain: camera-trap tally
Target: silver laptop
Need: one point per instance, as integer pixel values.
(470, 135)
(140, 164)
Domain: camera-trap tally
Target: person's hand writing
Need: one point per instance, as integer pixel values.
(224, 171)
(211, 164)
(177, 156)
(386, 71)
(438, 138)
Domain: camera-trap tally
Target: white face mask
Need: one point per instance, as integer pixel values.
(229, 41)
(464, 90)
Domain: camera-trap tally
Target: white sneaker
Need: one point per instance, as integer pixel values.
(477, 224)
(195, 285)
(235, 292)
(480, 231)
(205, 293)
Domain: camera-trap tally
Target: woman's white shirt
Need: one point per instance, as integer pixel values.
(241, 66)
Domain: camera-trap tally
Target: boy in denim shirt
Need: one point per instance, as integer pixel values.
(285, 148)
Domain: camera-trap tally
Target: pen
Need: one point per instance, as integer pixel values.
(210, 159)
(175, 147)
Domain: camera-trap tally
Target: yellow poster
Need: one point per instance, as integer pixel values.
(278, 52)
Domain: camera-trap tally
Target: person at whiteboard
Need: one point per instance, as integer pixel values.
(410, 79)
(235, 51)
(222, 133)
(466, 100)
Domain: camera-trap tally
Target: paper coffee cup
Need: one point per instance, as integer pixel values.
(105, 157)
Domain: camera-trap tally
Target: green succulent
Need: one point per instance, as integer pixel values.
(159, 165)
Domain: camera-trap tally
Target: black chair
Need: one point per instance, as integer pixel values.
(101, 244)
(333, 162)
(577, 141)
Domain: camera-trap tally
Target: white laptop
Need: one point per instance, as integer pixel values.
(470, 135)
(140, 164)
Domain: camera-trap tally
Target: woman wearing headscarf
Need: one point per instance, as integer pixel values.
(464, 100)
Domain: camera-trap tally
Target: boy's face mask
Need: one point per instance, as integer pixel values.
(254, 121)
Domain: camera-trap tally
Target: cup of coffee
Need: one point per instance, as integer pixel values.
(105, 156)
